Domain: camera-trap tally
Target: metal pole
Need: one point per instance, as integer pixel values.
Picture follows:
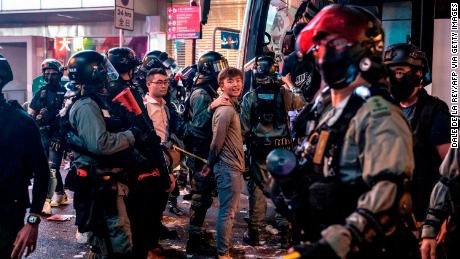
(188, 153)
(193, 51)
(121, 38)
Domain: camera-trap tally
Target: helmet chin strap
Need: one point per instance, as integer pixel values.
(370, 70)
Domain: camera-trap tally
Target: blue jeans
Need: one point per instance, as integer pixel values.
(229, 187)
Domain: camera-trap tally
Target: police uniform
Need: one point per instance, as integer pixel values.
(101, 191)
(50, 98)
(362, 157)
(109, 216)
(265, 126)
(197, 140)
(444, 203)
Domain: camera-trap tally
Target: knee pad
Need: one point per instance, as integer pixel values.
(53, 172)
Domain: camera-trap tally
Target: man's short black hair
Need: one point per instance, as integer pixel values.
(156, 71)
(229, 72)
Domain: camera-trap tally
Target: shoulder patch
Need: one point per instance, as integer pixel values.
(378, 106)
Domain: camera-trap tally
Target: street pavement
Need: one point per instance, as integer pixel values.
(57, 239)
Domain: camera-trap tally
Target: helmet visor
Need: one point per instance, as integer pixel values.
(112, 73)
(169, 63)
(220, 65)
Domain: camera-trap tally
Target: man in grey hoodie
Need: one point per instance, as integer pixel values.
(226, 157)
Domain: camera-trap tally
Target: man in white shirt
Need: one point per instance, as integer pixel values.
(157, 84)
(158, 111)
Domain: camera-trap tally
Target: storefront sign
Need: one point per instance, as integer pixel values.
(184, 22)
(229, 40)
(124, 14)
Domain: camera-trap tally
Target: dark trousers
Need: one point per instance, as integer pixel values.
(146, 204)
(54, 161)
(10, 224)
(203, 189)
(174, 194)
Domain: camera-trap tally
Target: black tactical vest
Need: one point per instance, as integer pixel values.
(427, 159)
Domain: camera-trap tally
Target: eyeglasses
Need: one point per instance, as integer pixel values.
(160, 83)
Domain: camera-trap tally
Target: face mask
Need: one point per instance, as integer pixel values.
(51, 79)
(402, 88)
(338, 69)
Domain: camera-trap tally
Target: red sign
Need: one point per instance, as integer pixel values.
(184, 22)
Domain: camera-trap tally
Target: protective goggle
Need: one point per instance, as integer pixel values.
(220, 65)
(337, 44)
(112, 73)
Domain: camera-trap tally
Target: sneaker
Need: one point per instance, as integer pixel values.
(197, 246)
(59, 199)
(166, 233)
(82, 238)
(47, 207)
(251, 238)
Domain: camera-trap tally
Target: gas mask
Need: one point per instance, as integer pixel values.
(51, 78)
(338, 63)
(402, 88)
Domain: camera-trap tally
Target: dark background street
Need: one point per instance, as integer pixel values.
(57, 239)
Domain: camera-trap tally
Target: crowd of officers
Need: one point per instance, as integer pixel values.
(354, 175)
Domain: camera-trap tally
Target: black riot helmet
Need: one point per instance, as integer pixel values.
(6, 75)
(51, 63)
(150, 60)
(403, 54)
(52, 79)
(345, 40)
(90, 67)
(187, 76)
(265, 70)
(123, 59)
(211, 63)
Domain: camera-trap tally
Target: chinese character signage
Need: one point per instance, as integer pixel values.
(184, 22)
(229, 40)
(124, 14)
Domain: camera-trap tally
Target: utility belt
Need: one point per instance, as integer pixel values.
(263, 145)
(330, 201)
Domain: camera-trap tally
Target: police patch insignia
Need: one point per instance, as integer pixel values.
(378, 106)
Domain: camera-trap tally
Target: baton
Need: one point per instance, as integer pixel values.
(190, 154)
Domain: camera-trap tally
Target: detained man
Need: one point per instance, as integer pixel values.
(226, 157)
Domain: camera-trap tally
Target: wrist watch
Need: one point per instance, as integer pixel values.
(33, 220)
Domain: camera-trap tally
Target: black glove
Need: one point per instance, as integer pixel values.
(142, 137)
(55, 143)
(317, 250)
(138, 134)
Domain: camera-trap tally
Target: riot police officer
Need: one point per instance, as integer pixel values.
(197, 140)
(359, 148)
(265, 126)
(429, 118)
(101, 191)
(145, 221)
(152, 59)
(125, 62)
(44, 108)
(21, 158)
(444, 204)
